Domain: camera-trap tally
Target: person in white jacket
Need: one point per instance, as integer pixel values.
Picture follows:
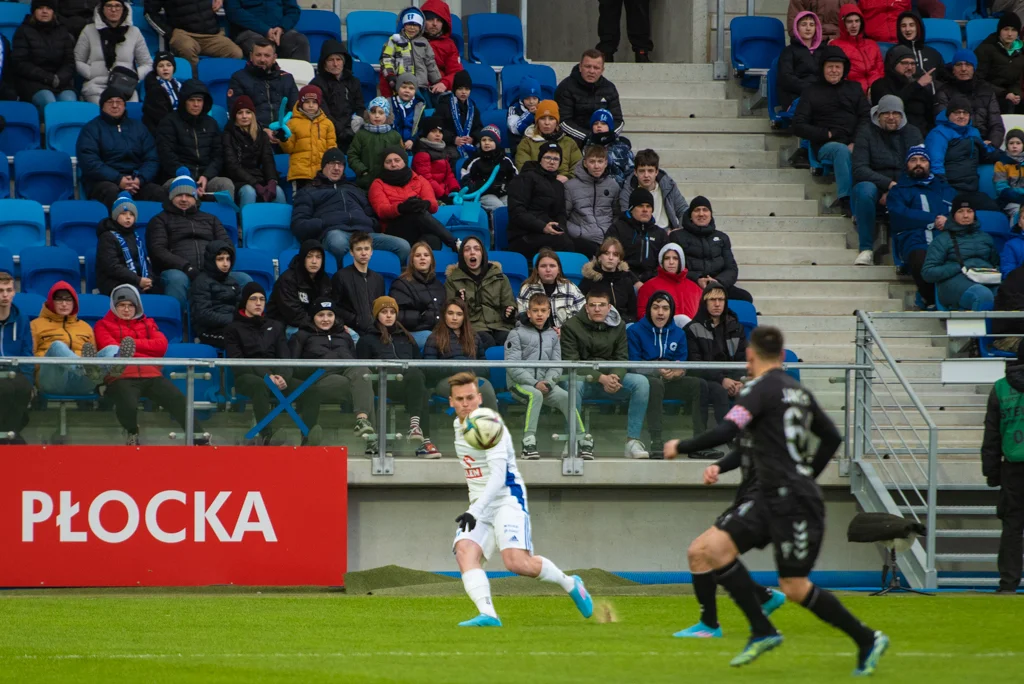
(110, 41)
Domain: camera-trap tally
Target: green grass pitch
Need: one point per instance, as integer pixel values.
(311, 636)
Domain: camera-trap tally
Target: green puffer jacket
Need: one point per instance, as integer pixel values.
(942, 267)
(584, 340)
(487, 301)
(364, 154)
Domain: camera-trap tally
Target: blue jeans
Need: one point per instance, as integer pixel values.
(45, 97)
(421, 337)
(865, 202)
(635, 389)
(336, 242)
(247, 195)
(840, 157)
(68, 379)
(977, 297)
(176, 284)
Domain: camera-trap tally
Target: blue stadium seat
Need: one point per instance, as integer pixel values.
(204, 389)
(458, 35)
(451, 218)
(149, 34)
(220, 115)
(818, 167)
(12, 15)
(268, 227)
(978, 30)
(22, 224)
(780, 118)
(513, 265)
(22, 129)
(5, 176)
(367, 80)
(986, 182)
(500, 217)
(572, 266)
(73, 224)
(485, 86)
(41, 267)
(166, 312)
(147, 210)
(227, 217)
(133, 110)
(513, 74)
(959, 10)
(93, 307)
(216, 73)
(6, 261)
(63, 122)
(791, 357)
(755, 42)
(385, 263)
(746, 313)
(495, 39)
(944, 36)
(182, 69)
(90, 269)
(258, 264)
(995, 224)
(45, 176)
(281, 163)
(29, 303)
(330, 263)
(442, 260)
(318, 26)
(497, 376)
(498, 118)
(368, 31)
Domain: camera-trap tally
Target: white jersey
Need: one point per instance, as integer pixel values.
(492, 476)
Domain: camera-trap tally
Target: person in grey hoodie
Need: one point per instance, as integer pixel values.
(669, 203)
(591, 201)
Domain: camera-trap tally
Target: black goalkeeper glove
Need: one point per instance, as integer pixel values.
(466, 522)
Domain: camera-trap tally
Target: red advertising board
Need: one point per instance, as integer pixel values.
(92, 516)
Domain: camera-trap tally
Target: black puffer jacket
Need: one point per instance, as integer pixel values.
(354, 293)
(247, 161)
(999, 68)
(826, 108)
(879, 156)
(708, 251)
(535, 198)
(641, 243)
(323, 206)
(190, 141)
(343, 95)
(798, 69)
(267, 88)
(157, 104)
(578, 100)
(76, 14)
(111, 266)
(295, 289)
(707, 342)
(986, 115)
(401, 347)
(193, 16)
(622, 283)
(177, 239)
(40, 52)
(420, 301)
(257, 337)
(214, 296)
(324, 345)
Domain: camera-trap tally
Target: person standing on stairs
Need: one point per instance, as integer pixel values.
(1002, 464)
(638, 28)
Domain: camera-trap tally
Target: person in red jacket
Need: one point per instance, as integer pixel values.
(126, 319)
(432, 161)
(438, 30)
(866, 65)
(672, 278)
(881, 18)
(404, 201)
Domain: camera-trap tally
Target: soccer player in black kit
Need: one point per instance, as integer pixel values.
(775, 418)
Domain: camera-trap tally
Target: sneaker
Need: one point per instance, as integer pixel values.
(636, 449)
(126, 351)
(372, 447)
(363, 427)
(865, 258)
(582, 599)
(869, 662)
(755, 648)
(705, 455)
(481, 620)
(94, 373)
(315, 436)
(416, 433)
(586, 450)
(428, 450)
(800, 159)
(204, 439)
(699, 631)
(642, 56)
(530, 452)
(777, 600)
(132, 439)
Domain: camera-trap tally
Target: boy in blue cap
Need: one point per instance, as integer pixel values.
(620, 150)
(521, 113)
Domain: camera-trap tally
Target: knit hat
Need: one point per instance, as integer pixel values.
(889, 103)
(332, 155)
(403, 78)
(642, 196)
(963, 200)
(109, 93)
(311, 91)
(529, 87)
(381, 102)
(462, 80)
(394, 149)
(698, 201)
(164, 56)
(242, 102)
(898, 53)
(381, 303)
(248, 291)
(411, 15)
(1015, 133)
(605, 116)
(36, 4)
(126, 293)
(548, 147)
(965, 55)
(430, 123)
(123, 203)
(320, 304)
(547, 108)
(918, 151)
(491, 131)
(182, 184)
(958, 102)
(1008, 20)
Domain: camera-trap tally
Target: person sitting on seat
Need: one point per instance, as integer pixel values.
(437, 28)
(127, 320)
(669, 203)
(356, 287)
(914, 89)
(564, 298)
(985, 109)
(609, 268)
(269, 20)
(432, 161)
(640, 237)
(910, 34)
(918, 205)
(863, 53)
(15, 387)
(584, 91)
(879, 157)
(121, 257)
(249, 156)
(545, 131)
(215, 294)
(190, 138)
(111, 46)
(405, 203)
(618, 147)
(460, 117)
(312, 134)
(407, 109)
(485, 289)
(408, 51)
(191, 29)
(43, 53)
(1001, 63)
(1008, 177)
(716, 335)
(957, 150)
(958, 250)
(591, 201)
(453, 339)
(537, 207)
(672, 278)
(264, 82)
(708, 250)
(343, 95)
(522, 114)
(162, 90)
(798, 68)
(420, 294)
(826, 10)
(302, 283)
(478, 169)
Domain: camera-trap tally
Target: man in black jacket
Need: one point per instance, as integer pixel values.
(177, 237)
(985, 110)
(263, 80)
(582, 93)
(828, 116)
(910, 34)
(190, 27)
(356, 287)
(190, 137)
(708, 250)
(716, 334)
(331, 209)
(298, 286)
(640, 236)
(343, 94)
(1002, 464)
(878, 160)
(914, 88)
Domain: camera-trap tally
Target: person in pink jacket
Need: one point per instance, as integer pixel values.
(881, 18)
(866, 65)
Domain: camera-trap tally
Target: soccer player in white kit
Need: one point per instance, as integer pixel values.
(498, 517)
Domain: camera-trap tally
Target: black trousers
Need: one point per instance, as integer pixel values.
(715, 396)
(529, 245)
(687, 388)
(1010, 510)
(638, 24)
(422, 226)
(740, 294)
(107, 192)
(252, 386)
(15, 395)
(914, 263)
(493, 338)
(127, 392)
(347, 383)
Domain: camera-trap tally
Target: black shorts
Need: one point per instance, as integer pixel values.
(743, 523)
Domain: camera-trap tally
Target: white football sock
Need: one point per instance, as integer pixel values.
(479, 589)
(549, 572)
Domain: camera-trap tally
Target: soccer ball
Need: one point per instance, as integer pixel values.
(484, 429)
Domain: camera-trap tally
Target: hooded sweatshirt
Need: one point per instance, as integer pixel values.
(487, 294)
(295, 289)
(214, 296)
(622, 282)
(798, 64)
(50, 327)
(343, 94)
(724, 342)
(928, 58)
(831, 108)
(684, 291)
(446, 51)
(1009, 177)
(918, 101)
(648, 342)
(16, 337)
(865, 57)
(827, 11)
(150, 343)
(190, 141)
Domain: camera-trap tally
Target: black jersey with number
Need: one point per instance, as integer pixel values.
(778, 417)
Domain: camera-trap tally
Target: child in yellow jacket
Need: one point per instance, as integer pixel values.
(312, 135)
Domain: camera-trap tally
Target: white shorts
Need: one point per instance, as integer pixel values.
(510, 530)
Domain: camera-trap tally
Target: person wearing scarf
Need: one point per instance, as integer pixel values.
(162, 91)
(460, 118)
(120, 255)
(481, 165)
(111, 45)
(404, 202)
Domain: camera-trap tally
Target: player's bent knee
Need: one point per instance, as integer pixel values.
(795, 588)
(719, 548)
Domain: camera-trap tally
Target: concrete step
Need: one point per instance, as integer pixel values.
(678, 107)
(794, 255)
(707, 90)
(765, 207)
(818, 305)
(839, 322)
(680, 124)
(852, 274)
(705, 141)
(798, 288)
(744, 240)
(785, 224)
(716, 191)
(728, 159)
(821, 352)
(617, 72)
(737, 177)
